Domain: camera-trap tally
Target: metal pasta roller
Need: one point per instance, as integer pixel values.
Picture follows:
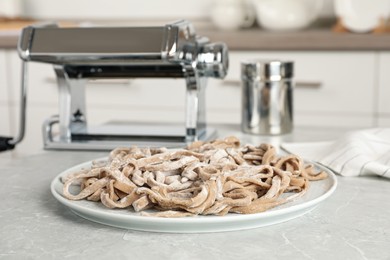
(79, 54)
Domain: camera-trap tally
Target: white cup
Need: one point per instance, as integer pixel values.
(10, 8)
(232, 14)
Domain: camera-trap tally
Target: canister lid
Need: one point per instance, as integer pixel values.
(267, 70)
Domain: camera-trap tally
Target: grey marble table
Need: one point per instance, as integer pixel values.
(354, 223)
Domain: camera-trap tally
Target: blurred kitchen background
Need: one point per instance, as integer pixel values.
(341, 49)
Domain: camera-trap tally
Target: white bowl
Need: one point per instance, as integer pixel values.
(287, 14)
(362, 15)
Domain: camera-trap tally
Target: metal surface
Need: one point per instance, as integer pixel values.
(23, 106)
(267, 97)
(115, 134)
(79, 54)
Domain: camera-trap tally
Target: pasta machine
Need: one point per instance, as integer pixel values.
(83, 53)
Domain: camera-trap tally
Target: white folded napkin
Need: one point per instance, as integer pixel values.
(365, 152)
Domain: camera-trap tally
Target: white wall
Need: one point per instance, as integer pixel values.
(126, 9)
(116, 9)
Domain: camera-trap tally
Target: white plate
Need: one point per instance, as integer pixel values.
(126, 218)
(362, 15)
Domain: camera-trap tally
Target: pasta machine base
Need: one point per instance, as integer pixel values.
(121, 134)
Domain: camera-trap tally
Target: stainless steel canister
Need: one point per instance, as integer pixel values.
(267, 97)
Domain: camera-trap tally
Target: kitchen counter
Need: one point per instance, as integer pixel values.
(316, 39)
(319, 37)
(351, 224)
